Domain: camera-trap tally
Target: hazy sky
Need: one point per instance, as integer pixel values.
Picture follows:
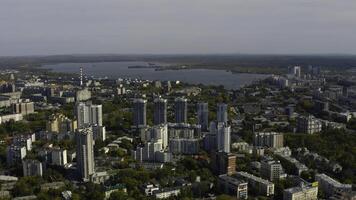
(32, 27)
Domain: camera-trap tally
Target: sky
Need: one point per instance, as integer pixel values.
(48, 27)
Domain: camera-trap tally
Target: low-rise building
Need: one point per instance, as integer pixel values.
(233, 186)
(167, 193)
(302, 192)
(257, 184)
(330, 186)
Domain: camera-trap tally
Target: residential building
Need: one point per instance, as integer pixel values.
(330, 186)
(308, 125)
(85, 152)
(223, 135)
(223, 163)
(160, 111)
(23, 107)
(88, 114)
(32, 167)
(272, 169)
(233, 186)
(59, 123)
(167, 193)
(139, 112)
(268, 139)
(189, 146)
(221, 113)
(302, 192)
(203, 115)
(181, 110)
(257, 184)
(15, 154)
(59, 156)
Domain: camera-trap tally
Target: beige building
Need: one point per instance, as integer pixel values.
(59, 123)
(301, 193)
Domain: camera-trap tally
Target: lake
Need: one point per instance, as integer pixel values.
(194, 76)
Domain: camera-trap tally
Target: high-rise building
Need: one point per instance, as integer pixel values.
(14, 154)
(96, 115)
(32, 167)
(85, 152)
(181, 110)
(203, 115)
(59, 156)
(160, 111)
(268, 139)
(223, 163)
(223, 136)
(222, 112)
(295, 71)
(89, 114)
(187, 146)
(303, 192)
(23, 107)
(139, 112)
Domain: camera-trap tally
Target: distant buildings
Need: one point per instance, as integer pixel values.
(85, 153)
(295, 71)
(139, 112)
(268, 139)
(160, 111)
(181, 110)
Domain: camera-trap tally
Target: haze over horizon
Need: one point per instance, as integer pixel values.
(42, 27)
